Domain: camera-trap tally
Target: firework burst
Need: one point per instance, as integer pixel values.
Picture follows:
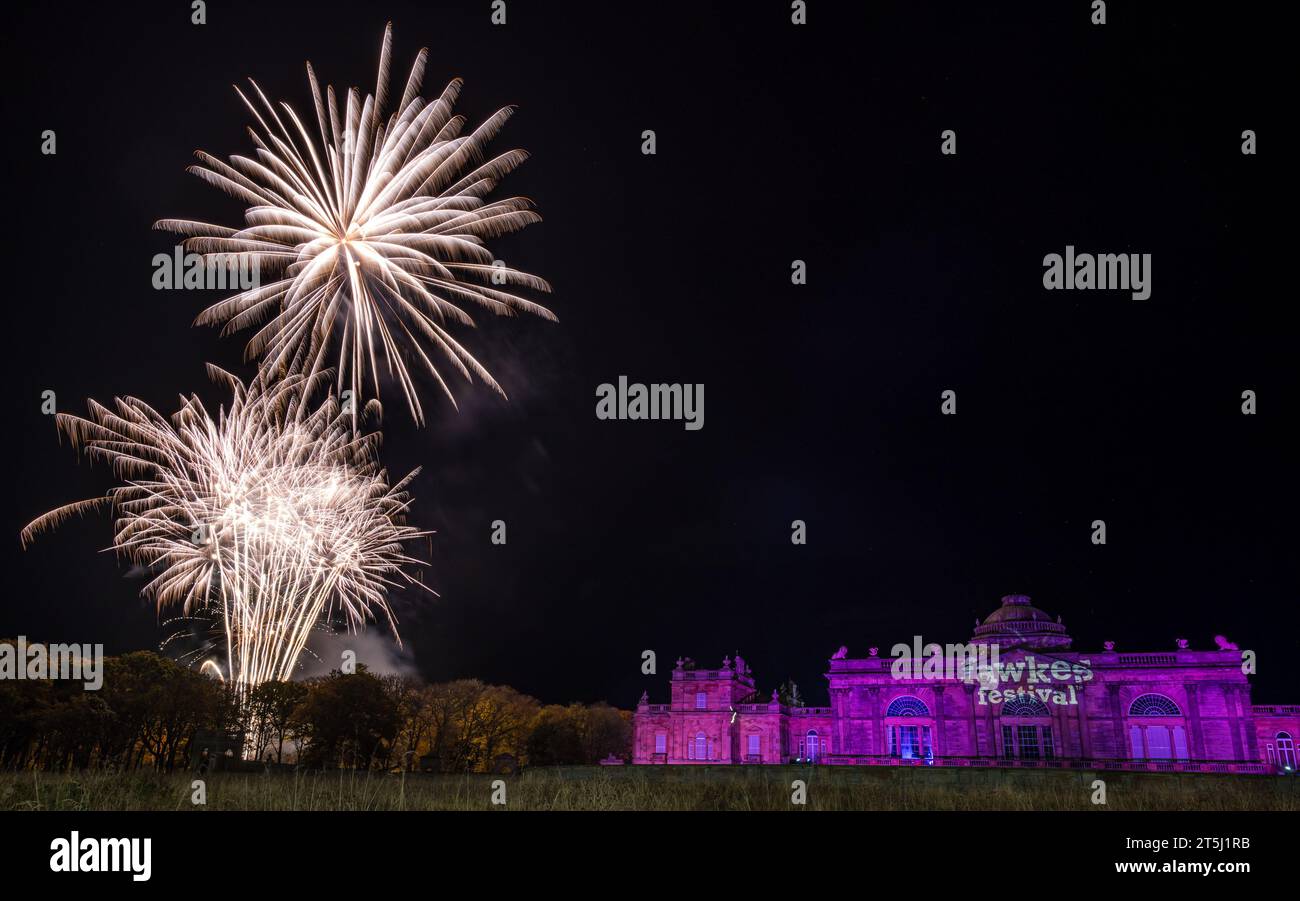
(373, 230)
(271, 516)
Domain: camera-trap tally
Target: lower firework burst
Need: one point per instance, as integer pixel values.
(271, 516)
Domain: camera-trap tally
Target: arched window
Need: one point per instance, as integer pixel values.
(1028, 741)
(1153, 705)
(811, 747)
(1164, 739)
(907, 706)
(1285, 750)
(1024, 705)
(911, 742)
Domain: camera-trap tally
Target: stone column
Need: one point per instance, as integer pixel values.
(1060, 730)
(841, 702)
(940, 740)
(1194, 723)
(990, 730)
(973, 699)
(1122, 750)
(775, 754)
(1085, 740)
(730, 739)
(877, 724)
(1234, 720)
(1248, 717)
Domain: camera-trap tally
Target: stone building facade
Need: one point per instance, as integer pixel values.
(1016, 694)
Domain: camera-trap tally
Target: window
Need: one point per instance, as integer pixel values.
(1153, 705)
(661, 743)
(1285, 750)
(1153, 739)
(1025, 705)
(1028, 736)
(810, 745)
(698, 748)
(910, 742)
(701, 701)
(1027, 742)
(753, 745)
(907, 706)
(1159, 744)
(1180, 743)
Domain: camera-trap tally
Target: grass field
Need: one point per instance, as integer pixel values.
(641, 788)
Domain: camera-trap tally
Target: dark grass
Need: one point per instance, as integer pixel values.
(645, 788)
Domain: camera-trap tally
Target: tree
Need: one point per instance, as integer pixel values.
(347, 720)
(151, 710)
(272, 706)
(158, 706)
(408, 694)
(605, 732)
(555, 738)
(497, 724)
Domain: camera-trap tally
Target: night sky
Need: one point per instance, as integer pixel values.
(822, 401)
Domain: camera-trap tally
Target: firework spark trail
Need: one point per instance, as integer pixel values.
(276, 512)
(373, 229)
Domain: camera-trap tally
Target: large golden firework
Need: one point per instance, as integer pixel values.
(373, 231)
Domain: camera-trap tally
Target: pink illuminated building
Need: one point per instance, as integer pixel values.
(1030, 701)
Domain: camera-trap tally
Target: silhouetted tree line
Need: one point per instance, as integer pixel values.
(152, 712)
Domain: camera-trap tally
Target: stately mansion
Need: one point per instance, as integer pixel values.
(1016, 695)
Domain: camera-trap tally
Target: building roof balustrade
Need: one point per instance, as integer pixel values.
(1148, 659)
(1131, 766)
(1097, 658)
(1275, 709)
(706, 675)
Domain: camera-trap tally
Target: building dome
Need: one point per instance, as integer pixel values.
(1019, 624)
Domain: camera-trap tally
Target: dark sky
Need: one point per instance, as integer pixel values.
(775, 143)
